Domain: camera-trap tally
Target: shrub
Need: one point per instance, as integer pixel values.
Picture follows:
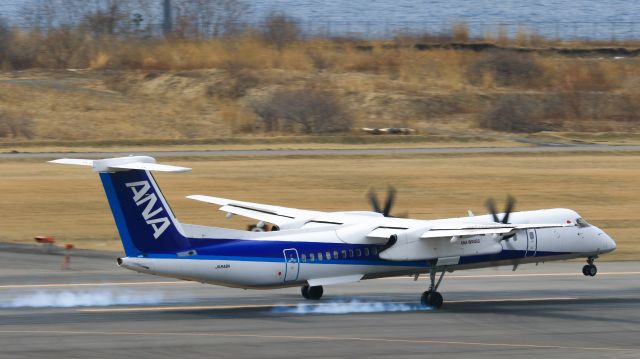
(12, 126)
(512, 113)
(305, 110)
(507, 68)
(281, 30)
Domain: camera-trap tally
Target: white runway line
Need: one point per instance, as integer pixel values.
(318, 338)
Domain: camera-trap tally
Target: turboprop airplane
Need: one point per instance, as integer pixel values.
(312, 249)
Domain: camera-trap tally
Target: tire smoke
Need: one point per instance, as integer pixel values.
(353, 306)
(67, 299)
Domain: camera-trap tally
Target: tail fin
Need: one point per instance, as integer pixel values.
(143, 217)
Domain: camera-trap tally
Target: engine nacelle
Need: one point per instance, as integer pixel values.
(409, 249)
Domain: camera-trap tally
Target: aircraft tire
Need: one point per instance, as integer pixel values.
(305, 291)
(432, 299)
(585, 270)
(314, 293)
(593, 270)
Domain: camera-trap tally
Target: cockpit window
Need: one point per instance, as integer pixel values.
(582, 222)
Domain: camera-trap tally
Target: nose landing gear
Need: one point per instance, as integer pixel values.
(590, 269)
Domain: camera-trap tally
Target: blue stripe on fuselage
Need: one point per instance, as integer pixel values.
(272, 251)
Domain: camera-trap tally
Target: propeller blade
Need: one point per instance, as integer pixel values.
(491, 206)
(391, 196)
(373, 199)
(511, 203)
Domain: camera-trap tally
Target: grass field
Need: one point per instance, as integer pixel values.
(68, 202)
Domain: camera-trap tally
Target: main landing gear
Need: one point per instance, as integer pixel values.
(313, 293)
(431, 297)
(590, 269)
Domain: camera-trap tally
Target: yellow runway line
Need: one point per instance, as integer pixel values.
(170, 283)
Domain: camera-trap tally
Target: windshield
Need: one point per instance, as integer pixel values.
(582, 222)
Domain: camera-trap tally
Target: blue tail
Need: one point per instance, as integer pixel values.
(143, 217)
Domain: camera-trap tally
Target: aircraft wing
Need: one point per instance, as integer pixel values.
(262, 212)
(478, 229)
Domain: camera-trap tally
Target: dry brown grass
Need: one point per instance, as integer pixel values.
(68, 202)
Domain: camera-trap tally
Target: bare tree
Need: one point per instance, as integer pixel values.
(281, 30)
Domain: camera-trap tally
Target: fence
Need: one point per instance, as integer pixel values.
(570, 30)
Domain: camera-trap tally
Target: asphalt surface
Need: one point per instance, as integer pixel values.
(326, 152)
(549, 310)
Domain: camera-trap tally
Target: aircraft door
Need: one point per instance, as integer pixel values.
(532, 243)
(292, 264)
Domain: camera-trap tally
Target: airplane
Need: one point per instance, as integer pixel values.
(313, 249)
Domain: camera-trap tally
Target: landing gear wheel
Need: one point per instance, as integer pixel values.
(585, 269)
(313, 293)
(593, 270)
(432, 299)
(305, 291)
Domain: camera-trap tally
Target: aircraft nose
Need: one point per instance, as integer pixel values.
(608, 243)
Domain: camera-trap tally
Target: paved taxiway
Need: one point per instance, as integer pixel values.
(329, 152)
(545, 311)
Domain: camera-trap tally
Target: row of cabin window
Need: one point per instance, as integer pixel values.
(344, 254)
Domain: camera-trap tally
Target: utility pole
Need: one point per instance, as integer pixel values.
(167, 25)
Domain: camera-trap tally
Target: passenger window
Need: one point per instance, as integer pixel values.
(319, 256)
(530, 235)
(328, 256)
(350, 253)
(303, 257)
(358, 253)
(366, 252)
(344, 254)
(335, 255)
(312, 257)
(374, 251)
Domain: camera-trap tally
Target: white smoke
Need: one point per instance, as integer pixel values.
(67, 299)
(353, 306)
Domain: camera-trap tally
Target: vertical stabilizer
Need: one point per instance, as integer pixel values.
(144, 219)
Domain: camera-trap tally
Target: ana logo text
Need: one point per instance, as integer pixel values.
(140, 196)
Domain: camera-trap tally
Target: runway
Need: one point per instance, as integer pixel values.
(328, 152)
(98, 310)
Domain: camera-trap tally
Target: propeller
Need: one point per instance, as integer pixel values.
(510, 205)
(388, 203)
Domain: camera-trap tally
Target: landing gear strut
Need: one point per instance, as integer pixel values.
(313, 293)
(431, 297)
(590, 269)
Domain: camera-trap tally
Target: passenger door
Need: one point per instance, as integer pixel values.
(532, 243)
(292, 264)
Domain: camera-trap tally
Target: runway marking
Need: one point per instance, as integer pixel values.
(474, 276)
(463, 276)
(324, 338)
(274, 305)
(106, 284)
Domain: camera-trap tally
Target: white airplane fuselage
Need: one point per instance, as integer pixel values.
(295, 266)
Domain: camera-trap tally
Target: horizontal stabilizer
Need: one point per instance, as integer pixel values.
(73, 161)
(143, 163)
(151, 167)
